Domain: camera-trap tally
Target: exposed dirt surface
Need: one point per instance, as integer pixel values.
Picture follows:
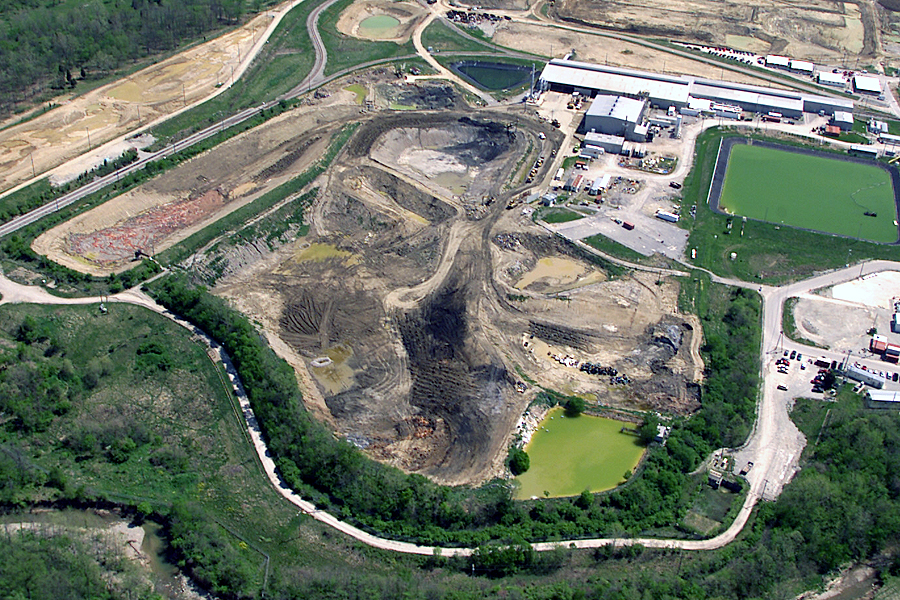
(100, 115)
(818, 30)
(591, 48)
(158, 214)
(398, 305)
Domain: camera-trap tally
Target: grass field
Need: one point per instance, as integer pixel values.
(558, 215)
(812, 192)
(575, 454)
(765, 252)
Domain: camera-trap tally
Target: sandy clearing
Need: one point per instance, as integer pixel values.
(878, 289)
(85, 122)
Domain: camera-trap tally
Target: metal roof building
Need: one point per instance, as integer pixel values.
(616, 115)
(835, 79)
(882, 399)
(749, 98)
(610, 143)
(802, 66)
(568, 75)
(843, 119)
(866, 377)
(866, 84)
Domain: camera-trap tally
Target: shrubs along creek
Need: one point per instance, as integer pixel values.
(339, 478)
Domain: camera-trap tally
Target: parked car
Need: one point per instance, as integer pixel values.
(782, 387)
(793, 354)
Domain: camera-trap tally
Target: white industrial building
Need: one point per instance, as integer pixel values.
(609, 143)
(779, 62)
(842, 119)
(664, 91)
(617, 115)
(866, 84)
(802, 66)
(832, 79)
(883, 399)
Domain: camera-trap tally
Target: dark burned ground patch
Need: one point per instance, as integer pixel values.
(399, 253)
(424, 96)
(450, 379)
(361, 143)
(317, 317)
(561, 335)
(291, 151)
(493, 139)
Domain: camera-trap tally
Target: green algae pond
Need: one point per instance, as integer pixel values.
(573, 454)
(378, 26)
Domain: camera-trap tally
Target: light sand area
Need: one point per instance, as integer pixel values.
(166, 210)
(108, 112)
(878, 289)
(817, 30)
(407, 15)
(597, 49)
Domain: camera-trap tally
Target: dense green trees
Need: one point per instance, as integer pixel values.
(40, 566)
(49, 44)
(519, 461)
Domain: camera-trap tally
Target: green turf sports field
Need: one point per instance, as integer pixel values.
(813, 192)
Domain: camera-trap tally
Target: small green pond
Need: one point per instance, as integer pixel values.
(378, 26)
(493, 75)
(569, 455)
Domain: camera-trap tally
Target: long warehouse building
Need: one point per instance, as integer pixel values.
(663, 91)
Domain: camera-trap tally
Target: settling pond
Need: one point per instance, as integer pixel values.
(378, 26)
(569, 455)
(492, 75)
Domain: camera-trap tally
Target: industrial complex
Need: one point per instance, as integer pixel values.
(689, 95)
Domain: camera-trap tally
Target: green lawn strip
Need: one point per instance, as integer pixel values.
(346, 51)
(614, 248)
(766, 252)
(443, 38)
(558, 214)
(789, 324)
(813, 192)
(234, 219)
